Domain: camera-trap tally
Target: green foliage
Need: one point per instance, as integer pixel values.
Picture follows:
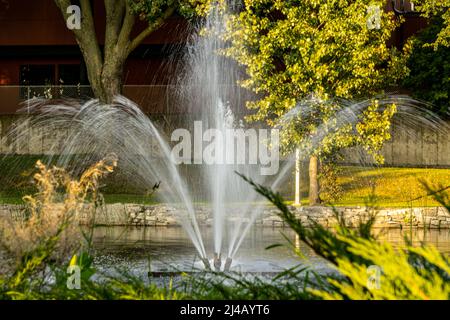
(370, 132)
(38, 274)
(410, 273)
(325, 130)
(31, 273)
(437, 8)
(294, 49)
(152, 10)
(440, 193)
(402, 273)
(288, 285)
(413, 273)
(330, 190)
(429, 77)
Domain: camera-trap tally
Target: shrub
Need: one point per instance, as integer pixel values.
(410, 273)
(53, 210)
(429, 77)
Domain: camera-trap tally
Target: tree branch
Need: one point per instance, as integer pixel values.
(151, 27)
(115, 11)
(86, 36)
(127, 27)
(87, 40)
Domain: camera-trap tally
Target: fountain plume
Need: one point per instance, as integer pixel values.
(209, 93)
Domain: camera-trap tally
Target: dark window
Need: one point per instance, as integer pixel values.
(69, 74)
(36, 79)
(37, 75)
(72, 82)
(54, 81)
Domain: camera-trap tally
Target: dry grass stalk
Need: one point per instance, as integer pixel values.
(58, 202)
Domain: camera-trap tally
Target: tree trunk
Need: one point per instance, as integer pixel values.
(106, 83)
(112, 79)
(94, 72)
(104, 71)
(314, 198)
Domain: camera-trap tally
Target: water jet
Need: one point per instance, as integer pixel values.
(227, 266)
(217, 261)
(206, 263)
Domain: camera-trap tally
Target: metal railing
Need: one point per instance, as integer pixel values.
(56, 92)
(152, 99)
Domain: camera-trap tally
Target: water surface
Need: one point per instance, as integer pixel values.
(144, 249)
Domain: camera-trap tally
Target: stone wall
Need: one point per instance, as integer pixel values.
(162, 215)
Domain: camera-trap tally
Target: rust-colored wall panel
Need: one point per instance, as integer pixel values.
(31, 22)
(149, 71)
(9, 97)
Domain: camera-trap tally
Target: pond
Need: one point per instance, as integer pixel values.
(140, 250)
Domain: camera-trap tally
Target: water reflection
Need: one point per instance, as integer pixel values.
(142, 249)
(439, 238)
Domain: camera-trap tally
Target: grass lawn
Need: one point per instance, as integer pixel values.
(392, 187)
(129, 198)
(16, 198)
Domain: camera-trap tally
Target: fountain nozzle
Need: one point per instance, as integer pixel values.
(217, 261)
(227, 264)
(206, 263)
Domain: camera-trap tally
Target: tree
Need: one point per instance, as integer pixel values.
(437, 8)
(324, 49)
(429, 61)
(105, 67)
(429, 64)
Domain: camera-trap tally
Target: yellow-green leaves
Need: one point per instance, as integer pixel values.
(430, 8)
(292, 49)
(73, 260)
(152, 10)
(397, 274)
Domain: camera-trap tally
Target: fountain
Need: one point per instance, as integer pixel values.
(93, 129)
(208, 91)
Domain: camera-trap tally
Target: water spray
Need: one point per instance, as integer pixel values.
(227, 266)
(217, 261)
(206, 263)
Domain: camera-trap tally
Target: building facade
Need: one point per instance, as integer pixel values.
(39, 55)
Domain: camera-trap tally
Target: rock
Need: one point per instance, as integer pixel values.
(163, 215)
(442, 212)
(435, 222)
(393, 224)
(430, 212)
(171, 221)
